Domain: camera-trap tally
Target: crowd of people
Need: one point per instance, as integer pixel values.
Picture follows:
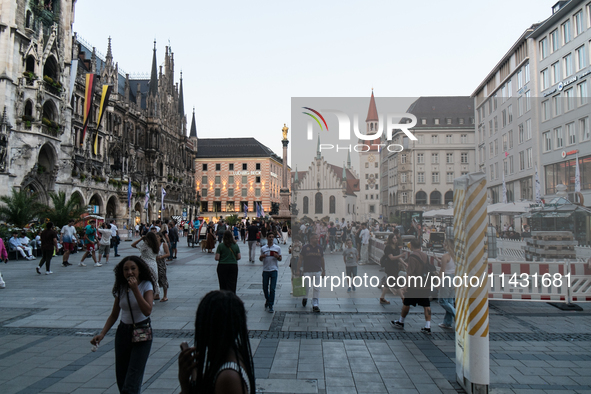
(220, 325)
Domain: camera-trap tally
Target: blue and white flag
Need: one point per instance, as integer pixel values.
(245, 210)
(147, 196)
(162, 200)
(262, 210)
(258, 208)
(129, 193)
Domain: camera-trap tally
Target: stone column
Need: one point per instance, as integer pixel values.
(285, 194)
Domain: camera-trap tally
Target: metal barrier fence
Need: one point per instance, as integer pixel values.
(560, 281)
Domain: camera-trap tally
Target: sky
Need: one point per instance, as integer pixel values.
(242, 62)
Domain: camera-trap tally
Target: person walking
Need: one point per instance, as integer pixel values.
(149, 246)
(48, 248)
(163, 253)
(284, 232)
(415, 295)
(220, 230)
(115, 240)
(221, 359)
(210, 239)
(270, 256)
(447, 293)
(134, 293)
(173, 235)
(243, 232)
(364, 238)
(68, 240)
(105, 243)
(253, 234)
(3, 253)
(392, 262)
(350, 257)
(312, 261)
(90, 244)
(227, 255)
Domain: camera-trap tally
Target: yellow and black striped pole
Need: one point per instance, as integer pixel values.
(472, 347)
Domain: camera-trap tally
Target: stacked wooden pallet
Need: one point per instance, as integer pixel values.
(558, 245)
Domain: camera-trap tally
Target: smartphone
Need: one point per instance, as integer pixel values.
(184, 346)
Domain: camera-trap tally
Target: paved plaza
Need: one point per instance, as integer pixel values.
(46, 322)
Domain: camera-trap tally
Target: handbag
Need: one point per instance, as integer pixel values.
(298, 287)
(141, 332)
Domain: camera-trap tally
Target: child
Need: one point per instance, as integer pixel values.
(350, 257)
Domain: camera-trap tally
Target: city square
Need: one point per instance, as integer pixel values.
(216, 198)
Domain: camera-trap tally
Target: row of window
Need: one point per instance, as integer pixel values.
(564, 68)
(564, 173)
(231, 206)
(435, 198)
(318, 204)
(375, 165)
(448, 121)
(525, 186)
(560, 137)
(449, 158)
(218, 166)
(218, 179)
(243, 192)
(448, 139)
(558, 104)
(525, 161)
(563, 35)
(506, 91)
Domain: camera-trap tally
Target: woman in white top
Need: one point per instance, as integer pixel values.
(149, 246)
(161, 261)
(133, 292)
(447, 290)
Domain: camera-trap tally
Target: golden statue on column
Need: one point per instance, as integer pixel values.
(284, 130)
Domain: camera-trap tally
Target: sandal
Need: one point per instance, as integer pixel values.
(164, 300)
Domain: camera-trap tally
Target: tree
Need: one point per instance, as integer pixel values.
(20, 208)
(64, 209)
(232, 219)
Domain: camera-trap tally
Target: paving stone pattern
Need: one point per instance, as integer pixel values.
(46, 322)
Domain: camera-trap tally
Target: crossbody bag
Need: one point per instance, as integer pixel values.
(141, 332)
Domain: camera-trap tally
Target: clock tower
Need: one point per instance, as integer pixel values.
(368, 202)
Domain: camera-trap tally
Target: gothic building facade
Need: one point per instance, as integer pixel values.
(141, 138)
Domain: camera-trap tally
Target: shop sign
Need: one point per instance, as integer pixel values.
(245, 172)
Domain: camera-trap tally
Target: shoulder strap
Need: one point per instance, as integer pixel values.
(130, 310)
(234, 366)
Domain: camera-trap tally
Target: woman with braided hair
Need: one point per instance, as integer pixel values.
(220, 360)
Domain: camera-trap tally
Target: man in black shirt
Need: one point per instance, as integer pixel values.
(252, 232)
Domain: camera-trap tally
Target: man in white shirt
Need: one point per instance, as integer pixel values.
(68, 239)
(105, 242)
(270, 255)
(114, 239)
(364, 235)
(24, 250)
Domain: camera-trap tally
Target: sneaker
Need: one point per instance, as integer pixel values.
(304, 302)
(384, 301)
(64, 264)
(117, 255)
(48, 272)
(82, 265)
(270, 310)
(443, 325)
(426, 330)
(266, 307)
(38, 270)
(349, 290)
(30, 258)
(315, 309)
(397, 324)
(98, 265)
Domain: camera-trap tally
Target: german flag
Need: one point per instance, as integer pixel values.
(88, 96)
(104, 102)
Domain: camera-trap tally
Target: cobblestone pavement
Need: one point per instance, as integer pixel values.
(46, 322)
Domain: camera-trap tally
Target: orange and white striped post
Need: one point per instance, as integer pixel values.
(472, 347)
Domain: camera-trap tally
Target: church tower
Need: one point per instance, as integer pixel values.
(369, 172)
(193, 133)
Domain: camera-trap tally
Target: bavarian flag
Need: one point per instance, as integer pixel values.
(88, 95)
(104, 102)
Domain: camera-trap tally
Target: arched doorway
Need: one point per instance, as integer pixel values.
(421, 198)
(449, 197)
(80, 198)
(138, 213)
(435, 198)
(46, 160)
(96, 204)
(112, 208)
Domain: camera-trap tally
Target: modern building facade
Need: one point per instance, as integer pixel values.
(562, 50)
(233, 172)
(507, 123)
(420, 177)
(141, 138)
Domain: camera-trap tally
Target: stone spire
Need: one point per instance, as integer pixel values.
(182, 100)
(154, 75)
(296, 178)
(193, 132)
(318, 154)
(344, 176)
(349, 159)
(109, 57)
